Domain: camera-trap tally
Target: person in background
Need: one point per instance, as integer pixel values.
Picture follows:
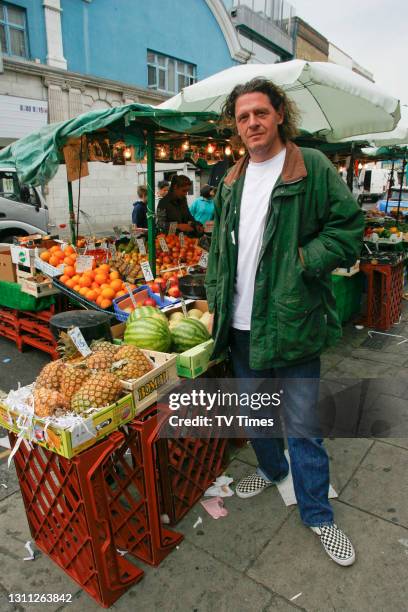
(139, 212)
(162, 189)
(202, 208)
(173, 208)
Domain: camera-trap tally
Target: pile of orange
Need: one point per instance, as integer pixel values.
(55, 256)
(100, 285)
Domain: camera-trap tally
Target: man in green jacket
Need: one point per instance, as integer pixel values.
(284, 220)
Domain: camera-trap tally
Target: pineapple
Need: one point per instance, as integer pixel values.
(73, 377)
(67, 349)
(128, 351)
(104, 346)
(50, 375)
(48, 402)
(101, 389)
(101, 360)
(127, 369)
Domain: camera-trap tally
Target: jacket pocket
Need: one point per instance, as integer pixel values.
(301, 327)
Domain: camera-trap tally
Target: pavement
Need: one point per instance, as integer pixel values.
(260, 558)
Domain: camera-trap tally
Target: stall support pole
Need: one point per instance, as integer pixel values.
(391, 181)
(350, 169)
(404, 163)
(71, 213)
(151, 225)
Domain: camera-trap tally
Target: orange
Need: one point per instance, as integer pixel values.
(76, 278)
(95, 285)
(100, 278)
(68, 261)
(54, 248)
(85, 281)
(120, 293)
(90, 273)
(83, 290)
(69, 250)
(116, 284)
(105, 286)
(77, 288)
(63, 278)
(114, 275)
(69, 271)
(54, 261)
(99, 300)
(45, 255)
(107, 293)
(105, 303)
(91, 295)
(58, 253)
(105, 267)
(70, 283)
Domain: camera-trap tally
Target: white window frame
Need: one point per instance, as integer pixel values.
(161, 63)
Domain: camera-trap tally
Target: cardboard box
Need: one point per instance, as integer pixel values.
(7, 268)
(70, 442)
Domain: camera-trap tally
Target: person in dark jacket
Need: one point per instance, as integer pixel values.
(173, 208)
(284, 220)
(139, 212)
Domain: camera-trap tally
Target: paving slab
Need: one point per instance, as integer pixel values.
(238, 538)
(279, 604)
(190, 579)
(384, 415)
(400, 442)
(345, 456)
(294, 562)
(360, 368)
(18, 576)
(247, 455)
(8, 477)
(380, 484)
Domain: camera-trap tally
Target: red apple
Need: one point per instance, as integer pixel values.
(155, 287)
(174, 292)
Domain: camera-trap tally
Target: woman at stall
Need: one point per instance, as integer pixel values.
(202, 208)
(173, 208)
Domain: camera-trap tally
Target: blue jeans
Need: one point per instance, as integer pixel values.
(308, 457)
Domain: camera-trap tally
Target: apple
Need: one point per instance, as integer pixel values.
(174, 292)
(173, 280)
(155, 287)
(150, 302)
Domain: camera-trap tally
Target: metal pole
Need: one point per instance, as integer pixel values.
(390, 185)
(71, 213)
(151, 225)
(404, 163)
(350, 169)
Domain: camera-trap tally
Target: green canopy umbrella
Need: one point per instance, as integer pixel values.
(37, 156)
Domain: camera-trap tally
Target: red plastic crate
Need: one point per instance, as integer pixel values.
(384, 294)
(43, 344)
(37, 328)
(69, 516)
(133, 500)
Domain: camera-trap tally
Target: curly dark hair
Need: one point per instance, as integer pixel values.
(278, 98)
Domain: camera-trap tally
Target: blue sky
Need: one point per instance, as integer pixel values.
(373, 32)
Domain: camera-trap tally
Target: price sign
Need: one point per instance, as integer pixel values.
(90, 246)
(181, 238)
(47, 269)
(79, 341)
(163, 245)
(84, 263)
(147, 271)
(173, 227)
(141, 246)
(203, 262)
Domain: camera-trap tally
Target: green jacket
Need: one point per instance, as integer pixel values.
(313, 226)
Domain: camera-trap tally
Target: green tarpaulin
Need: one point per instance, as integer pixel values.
(37, 156)
(12, 297)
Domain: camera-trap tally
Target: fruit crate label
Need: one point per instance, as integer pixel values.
(84, 263)
(20, 255)
(147, 271)
(82, 433)
(79, 341)
(181, 238)
(47, 269)
(163, 245)
(173, 227)
(141, 246)
(203, 261)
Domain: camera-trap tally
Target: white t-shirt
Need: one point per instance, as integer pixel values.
(260, 179)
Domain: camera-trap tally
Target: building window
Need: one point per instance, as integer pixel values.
(169, 74)
(13, 32)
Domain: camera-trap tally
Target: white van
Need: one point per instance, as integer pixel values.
(23, 210)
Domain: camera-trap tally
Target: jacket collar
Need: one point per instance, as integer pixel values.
(294, 168)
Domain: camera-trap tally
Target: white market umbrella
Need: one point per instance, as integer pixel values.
(397, 136)
(334, 101)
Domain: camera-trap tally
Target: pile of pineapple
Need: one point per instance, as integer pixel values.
(75, 384)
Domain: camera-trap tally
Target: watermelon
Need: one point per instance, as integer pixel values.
(188, 333)
(148, 333)
(146, 311)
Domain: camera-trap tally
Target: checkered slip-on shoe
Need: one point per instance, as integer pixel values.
(336, 544)
(251, 486)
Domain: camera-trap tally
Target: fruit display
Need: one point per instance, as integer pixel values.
(188, 254)
(151, 329)
(76, 384)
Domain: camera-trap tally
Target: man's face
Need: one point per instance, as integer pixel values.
(163, 191)
(257, 123)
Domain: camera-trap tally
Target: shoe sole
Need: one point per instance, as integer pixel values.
(342, 562)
